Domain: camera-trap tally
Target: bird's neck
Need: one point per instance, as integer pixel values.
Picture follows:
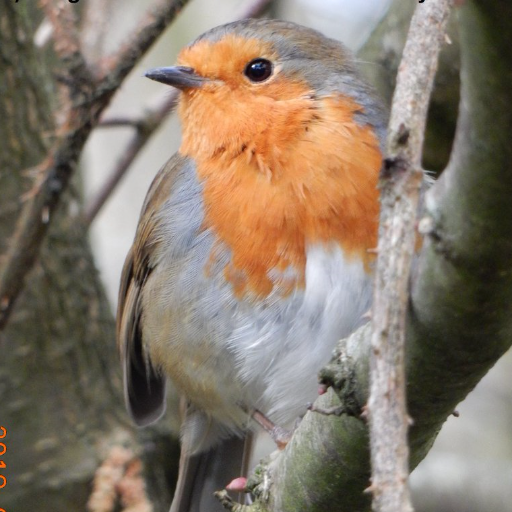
(303, 173)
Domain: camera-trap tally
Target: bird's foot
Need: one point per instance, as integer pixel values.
(279, 435)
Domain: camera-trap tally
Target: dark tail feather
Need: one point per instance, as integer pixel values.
(202, 474)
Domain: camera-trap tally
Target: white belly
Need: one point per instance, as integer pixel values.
(281, 351)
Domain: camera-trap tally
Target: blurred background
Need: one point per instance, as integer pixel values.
(470, 466)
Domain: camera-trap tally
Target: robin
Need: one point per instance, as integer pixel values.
(251, 256)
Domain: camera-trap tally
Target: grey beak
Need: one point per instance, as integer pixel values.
(177, 76)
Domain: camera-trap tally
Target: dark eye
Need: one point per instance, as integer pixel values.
(258, 70)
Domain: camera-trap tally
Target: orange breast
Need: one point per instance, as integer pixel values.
(279, 175)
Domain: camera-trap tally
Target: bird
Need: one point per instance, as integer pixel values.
(252, 256)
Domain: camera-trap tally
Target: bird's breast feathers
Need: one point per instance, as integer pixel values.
(269, 194)
(254, 289)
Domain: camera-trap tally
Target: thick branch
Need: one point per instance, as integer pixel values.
(400, 183)
(460, 322)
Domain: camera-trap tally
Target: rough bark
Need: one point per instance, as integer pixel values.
(60, 394)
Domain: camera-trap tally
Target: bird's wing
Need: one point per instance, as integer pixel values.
(144, 386)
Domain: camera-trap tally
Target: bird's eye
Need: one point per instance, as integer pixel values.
(258, 70)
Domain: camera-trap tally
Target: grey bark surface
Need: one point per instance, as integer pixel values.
(59, 385)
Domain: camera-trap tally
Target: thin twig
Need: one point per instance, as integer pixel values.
(120, 122)
(89, 98)
(145, 127)
(400, 183)
(117, 66)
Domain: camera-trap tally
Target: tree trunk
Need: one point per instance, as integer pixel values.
(59, 382)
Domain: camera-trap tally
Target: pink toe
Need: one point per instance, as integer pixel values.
(322, 389)
(237, 485)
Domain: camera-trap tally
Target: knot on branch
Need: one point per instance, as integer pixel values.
(339, 374)
(431, 226)
(393, 166)
(402, 135)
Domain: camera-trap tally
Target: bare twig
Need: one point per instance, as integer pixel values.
(400, 183)
(116, 67)
(145, 127)
(120, 122)
(89, 99)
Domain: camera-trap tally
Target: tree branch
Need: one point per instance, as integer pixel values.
(116, 67)
(459, 321)
(400, 184)
(89, 99)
